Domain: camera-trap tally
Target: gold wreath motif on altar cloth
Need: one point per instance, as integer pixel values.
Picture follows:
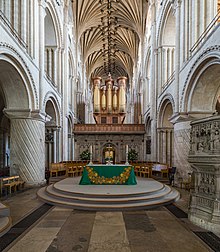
(99, 180)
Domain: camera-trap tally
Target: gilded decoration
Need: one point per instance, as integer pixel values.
(98, 180)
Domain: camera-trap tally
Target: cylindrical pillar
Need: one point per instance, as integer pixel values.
(28, 145)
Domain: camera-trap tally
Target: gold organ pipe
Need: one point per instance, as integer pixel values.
(96, 94)
(115, 100)
(122, 94)
(103, 100)
(109, 95)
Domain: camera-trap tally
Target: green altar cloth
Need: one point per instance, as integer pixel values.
(109, 171)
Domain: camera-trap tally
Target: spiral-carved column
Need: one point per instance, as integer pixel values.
(28, 148)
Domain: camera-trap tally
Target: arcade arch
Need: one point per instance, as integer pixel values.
(165, 133)
(52, 133)
(21, 125)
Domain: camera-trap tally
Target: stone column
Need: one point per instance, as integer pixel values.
(181, 145)
(177, 4)
(42, 14)
(28, 145)
(65, 74)
(24, 20)
(153, 73)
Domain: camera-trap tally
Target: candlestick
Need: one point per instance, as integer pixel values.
(90, 150)
(127, 163)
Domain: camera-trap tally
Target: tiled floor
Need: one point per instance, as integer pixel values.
(67, 230)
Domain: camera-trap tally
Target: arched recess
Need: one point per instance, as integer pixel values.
(166, 45)
(52, 133)
(203, 90)
(52, 43)
(165, 132)
(148, 137)
(70, 137)
(16, 99)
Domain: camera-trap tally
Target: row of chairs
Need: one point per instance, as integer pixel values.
(74, 171)
(142, 171)
(146, 171)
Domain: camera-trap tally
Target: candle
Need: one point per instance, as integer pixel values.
(126, 148)
(90, 149)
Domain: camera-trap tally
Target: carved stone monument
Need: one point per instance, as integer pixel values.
(204, 157)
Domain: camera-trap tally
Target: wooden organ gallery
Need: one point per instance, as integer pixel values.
(109, 100)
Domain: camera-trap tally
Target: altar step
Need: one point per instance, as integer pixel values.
(5, 219)
(148, 193)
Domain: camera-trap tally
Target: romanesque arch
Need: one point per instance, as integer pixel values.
(203, 89)
(21, 153)
(165, 131)
(166, 44)
(52, 131)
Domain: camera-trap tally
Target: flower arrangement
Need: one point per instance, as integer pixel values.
(85, 155)
(132, 155)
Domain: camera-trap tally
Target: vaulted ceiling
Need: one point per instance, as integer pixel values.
(109, 33)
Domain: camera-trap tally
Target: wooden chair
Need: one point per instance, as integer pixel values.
(70, 172)
(80, 170)
(137, 170)
(164, 171)
(145, 171)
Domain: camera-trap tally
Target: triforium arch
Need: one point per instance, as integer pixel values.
(146, 87)
(52, 132)
(166, 45)
(53, 43)
(205, 80)
(165, 131)
(25, 154)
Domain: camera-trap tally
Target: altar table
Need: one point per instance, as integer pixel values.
(108, 175)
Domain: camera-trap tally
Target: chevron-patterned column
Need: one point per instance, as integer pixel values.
(181, 148)
(28, 147)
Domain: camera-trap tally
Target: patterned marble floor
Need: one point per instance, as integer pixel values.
(66, 230)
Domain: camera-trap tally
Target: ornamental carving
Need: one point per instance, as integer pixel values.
(205, 137)
(207, 184)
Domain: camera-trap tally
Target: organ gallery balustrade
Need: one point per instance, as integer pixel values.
(91, 128)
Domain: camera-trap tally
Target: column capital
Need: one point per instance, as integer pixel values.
(180, 117)
(42, 3)
(175, 5)
(27, 114)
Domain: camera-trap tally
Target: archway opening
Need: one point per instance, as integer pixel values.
(165, 134)
(205, 92)
(51, 138)
(10, 80)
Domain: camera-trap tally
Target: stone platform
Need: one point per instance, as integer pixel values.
(148, 193)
